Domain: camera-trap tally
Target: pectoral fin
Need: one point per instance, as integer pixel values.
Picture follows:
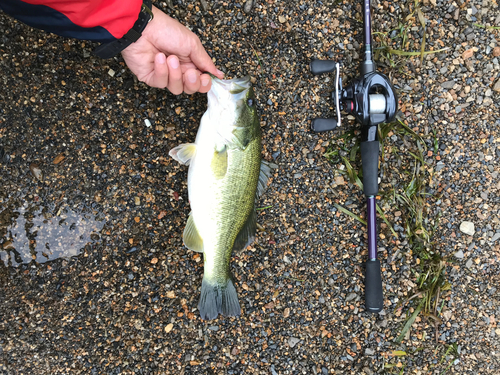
(247, 233)
(219, 163)
(191, 237)
(183, 153)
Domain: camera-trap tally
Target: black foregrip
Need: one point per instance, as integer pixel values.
(374, 298)
(322, 66)
(369, 160)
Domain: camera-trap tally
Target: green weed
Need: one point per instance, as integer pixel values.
(412, 199)
(410, 196)
(262, 208)
(349, 213)
(394, 44)
(258, 59)
(486, 27)
(452, 351)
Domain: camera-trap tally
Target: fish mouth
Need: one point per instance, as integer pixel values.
(234, 86)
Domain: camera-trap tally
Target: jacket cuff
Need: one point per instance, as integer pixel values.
(111, 49)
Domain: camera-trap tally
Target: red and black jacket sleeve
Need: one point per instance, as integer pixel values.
(97, 20)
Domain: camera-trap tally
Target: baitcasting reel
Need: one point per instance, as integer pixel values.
(372, 100)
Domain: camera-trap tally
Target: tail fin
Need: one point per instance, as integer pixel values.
(217, 298)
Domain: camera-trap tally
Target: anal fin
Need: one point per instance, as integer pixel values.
(191, 237)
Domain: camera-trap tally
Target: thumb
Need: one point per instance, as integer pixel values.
(203, 62)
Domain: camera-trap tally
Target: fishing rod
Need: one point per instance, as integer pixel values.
(372, 100)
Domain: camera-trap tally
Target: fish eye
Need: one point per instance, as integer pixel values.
(250, 102)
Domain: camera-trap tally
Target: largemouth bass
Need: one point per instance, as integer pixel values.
(225, 176)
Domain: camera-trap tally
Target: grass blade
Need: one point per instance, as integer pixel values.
(411, 189)
(409, 323)
(349, 213)
(422, 48)
(353, 176)
(409, 130)
(258, 58)
(382, 215)
(263, 208)
(412, 53)
(486, 27)
(422, 22)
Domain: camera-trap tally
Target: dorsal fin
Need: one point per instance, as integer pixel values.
(265, 172)
(247, 233)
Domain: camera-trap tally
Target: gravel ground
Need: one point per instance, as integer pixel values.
(88, 185)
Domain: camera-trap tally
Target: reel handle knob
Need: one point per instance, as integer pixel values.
(322, 66)
(320, 125)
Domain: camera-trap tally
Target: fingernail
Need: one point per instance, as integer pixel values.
(162, 59)
(219, 73)
(192, 78)
(174, 63)
(205, 82)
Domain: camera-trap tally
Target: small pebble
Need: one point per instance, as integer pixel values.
(448, 84)
(351, 296)
(467, 227)
(247, 8)
(292, 341)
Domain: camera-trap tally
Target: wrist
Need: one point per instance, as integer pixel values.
(109, 50)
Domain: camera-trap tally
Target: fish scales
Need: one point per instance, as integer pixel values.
(225, 176)
(236, 194)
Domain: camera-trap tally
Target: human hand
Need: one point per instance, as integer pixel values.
(169, 55)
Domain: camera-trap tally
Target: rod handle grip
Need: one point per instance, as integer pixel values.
(322, 66)
(374, 298)
(369, 161)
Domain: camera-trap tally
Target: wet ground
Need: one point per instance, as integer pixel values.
(94, 278)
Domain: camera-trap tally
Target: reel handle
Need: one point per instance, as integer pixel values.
(322, 66)
(320, 125)
(326, 66)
